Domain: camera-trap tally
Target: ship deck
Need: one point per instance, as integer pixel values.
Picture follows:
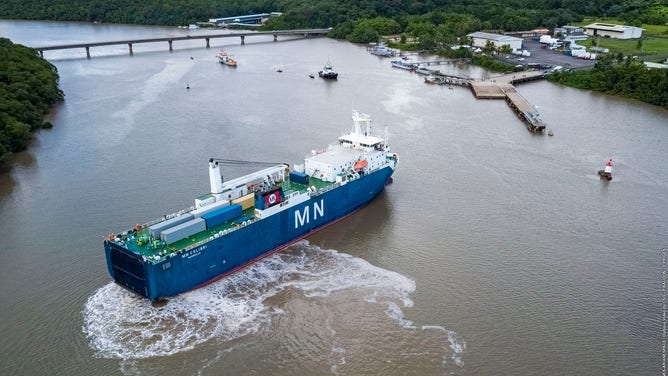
(159, 252)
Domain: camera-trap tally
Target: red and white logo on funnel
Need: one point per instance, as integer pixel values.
(272, 198)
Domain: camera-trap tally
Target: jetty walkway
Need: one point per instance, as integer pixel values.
(500, 87)
(207, 37)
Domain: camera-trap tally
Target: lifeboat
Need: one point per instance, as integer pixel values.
(360, 164)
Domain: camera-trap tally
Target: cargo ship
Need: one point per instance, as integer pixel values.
(250, 217)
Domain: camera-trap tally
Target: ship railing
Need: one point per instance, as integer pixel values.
(169, 216)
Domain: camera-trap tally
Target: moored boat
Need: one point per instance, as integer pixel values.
(431, 79)
(426, 71)
(403, 65)
(245, 219)
(382, 50)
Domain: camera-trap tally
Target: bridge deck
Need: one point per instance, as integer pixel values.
(242, 35)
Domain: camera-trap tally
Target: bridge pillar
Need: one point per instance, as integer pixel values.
(207, 42)
(275, 37)
(243, 37)
(130, 47)
(170, 45)
(87, 52)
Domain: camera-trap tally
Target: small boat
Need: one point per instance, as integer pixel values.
(431, 79)
(224, 58)
(328, 72)
(427, 71)
(403, 65)
(311, 75)
(382, 50)
(606, 173)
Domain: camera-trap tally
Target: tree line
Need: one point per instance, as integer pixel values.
(28, 87)
(508, 15)
(620, 75)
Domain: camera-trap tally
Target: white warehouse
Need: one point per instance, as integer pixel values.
(613, 31)
(480, 39)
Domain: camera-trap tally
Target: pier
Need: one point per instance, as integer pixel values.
(501, 87)
(441, 61)
(207, 37)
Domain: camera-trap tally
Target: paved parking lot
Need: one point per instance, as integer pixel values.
(546, 57)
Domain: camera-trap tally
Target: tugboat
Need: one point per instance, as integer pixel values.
(224, 58)
(606, 174)
(328, 72)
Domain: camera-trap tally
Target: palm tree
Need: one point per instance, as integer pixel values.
(489, 48)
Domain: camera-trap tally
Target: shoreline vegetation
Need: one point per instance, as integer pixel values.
(29, 84)
(28, 89)
(620, 75)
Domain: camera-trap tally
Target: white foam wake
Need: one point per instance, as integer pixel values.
(119, 324)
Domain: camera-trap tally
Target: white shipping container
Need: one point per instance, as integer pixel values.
(211, 207)
(183, 230)
(157, 228)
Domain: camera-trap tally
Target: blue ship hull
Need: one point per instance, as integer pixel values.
(216, 258)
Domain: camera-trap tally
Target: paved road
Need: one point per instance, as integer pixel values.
(545, 56)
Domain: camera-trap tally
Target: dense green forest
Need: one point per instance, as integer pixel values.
(621, 75)
(28, 87)
(505, 15)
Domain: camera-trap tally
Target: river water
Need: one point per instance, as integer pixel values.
(495, 251)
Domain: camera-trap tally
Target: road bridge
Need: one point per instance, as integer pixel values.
(207, 37)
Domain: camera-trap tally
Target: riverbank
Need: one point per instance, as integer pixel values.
(28, 88)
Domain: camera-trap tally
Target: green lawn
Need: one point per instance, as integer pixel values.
(650, 45)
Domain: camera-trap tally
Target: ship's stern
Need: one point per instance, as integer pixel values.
(126, 268)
